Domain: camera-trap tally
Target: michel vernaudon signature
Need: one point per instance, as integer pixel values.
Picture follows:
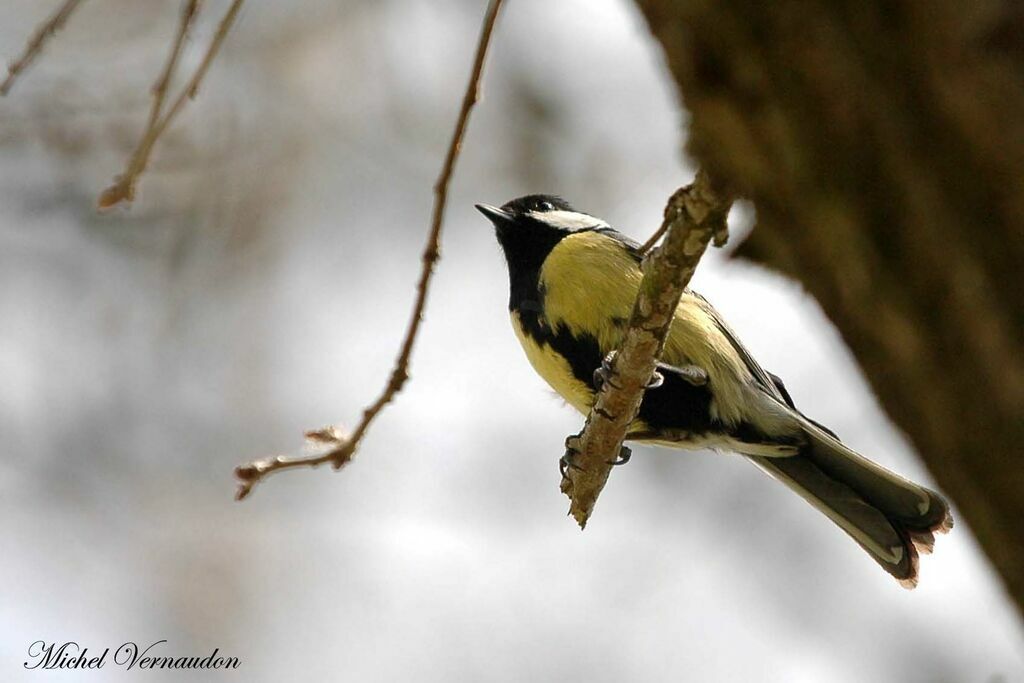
(129, 655)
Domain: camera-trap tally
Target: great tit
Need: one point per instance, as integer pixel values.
(573, 281)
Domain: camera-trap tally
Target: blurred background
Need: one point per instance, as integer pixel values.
(260, 285)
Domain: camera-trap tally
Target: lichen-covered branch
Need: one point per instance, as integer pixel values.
(340, 447)
(694, 216)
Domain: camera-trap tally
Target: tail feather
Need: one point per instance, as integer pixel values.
(893, 519)
(919, 508)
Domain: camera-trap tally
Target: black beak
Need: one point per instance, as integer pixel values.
(496, 215)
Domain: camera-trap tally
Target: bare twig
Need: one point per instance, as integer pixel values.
(342, 447)
(35, 44)
(653, 239)
(123, 189)
(695, 215)
(188, 14)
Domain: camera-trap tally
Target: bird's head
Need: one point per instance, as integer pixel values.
(529, 227)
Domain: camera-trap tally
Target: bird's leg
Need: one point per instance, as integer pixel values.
(604, 373)
(692, 374)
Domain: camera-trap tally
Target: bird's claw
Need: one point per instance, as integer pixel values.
(568, 461)
(604, 373)
(624, 455)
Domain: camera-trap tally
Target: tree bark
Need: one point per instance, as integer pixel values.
(882, 144)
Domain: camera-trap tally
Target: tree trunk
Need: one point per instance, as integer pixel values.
(882, 144)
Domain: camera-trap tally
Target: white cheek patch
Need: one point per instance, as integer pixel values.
(567, 220)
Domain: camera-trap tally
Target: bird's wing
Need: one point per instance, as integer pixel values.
(632, 246)
(771, 384)
(768, 383)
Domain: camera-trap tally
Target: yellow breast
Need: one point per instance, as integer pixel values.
(554, 369)
(589, 284)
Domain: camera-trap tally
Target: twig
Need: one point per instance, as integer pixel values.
(653, 239)
(188, 15)
(695, 215)
(342, 447)
(35, 44)
(123, 189)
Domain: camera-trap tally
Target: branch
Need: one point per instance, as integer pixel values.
(123, 189)
(694, 216)
(653, 239)
(342, 447)
(188, 15)
(44, 32)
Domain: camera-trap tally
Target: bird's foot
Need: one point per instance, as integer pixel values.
(604, 373)
(692, 374)
(568, 460)
(624, 455)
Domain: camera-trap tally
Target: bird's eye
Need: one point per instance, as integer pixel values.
(545, 206)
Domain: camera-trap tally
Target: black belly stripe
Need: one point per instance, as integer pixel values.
(675, 405)
(581, 351)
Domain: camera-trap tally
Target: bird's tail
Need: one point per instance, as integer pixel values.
(892, 518)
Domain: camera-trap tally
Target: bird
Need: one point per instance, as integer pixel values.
(573, 281)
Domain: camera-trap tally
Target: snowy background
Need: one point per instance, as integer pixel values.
(260, 285)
